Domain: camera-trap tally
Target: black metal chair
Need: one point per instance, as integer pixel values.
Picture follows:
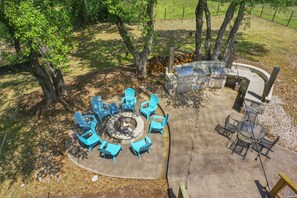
(265, 144)
(241, 147)
(230, 126)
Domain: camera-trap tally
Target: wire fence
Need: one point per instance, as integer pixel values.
(183, 10)
(287, 16)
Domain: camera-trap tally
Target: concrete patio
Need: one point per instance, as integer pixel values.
(198, 155)
(197, 149)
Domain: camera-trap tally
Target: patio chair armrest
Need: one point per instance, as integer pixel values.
(91, 116)
(86, 132)
(122, 100)
(148, 140)
(103, 145)
(105, 105)
(135, 100)
(144, 103)
(158, 117)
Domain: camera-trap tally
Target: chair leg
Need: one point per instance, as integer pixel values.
(138, 154)
(150, 129)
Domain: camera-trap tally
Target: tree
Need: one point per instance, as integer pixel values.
(208, 32)
(228, 55)
(44, 28)
(199, 24)
(135, 12)
(11, 31)
(220, 35)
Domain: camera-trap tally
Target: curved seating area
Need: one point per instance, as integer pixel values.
(147, 147)
(257, 78)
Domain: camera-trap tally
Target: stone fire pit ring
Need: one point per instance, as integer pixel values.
(125, 136)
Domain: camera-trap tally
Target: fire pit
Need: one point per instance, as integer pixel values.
(125, 126)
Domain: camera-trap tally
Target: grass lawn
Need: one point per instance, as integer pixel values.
(185, 9)
(30, 130)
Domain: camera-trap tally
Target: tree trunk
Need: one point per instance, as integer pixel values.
(228, 55)
(228, 18)
(141, 62)
(208, 31)
(58, 81)
(84, 12)
(140, 58)
(17, 45)
(44, 81)
(199, 24)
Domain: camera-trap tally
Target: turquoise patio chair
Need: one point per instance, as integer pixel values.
(129, 100)
(100, 108)
(110, 149)
(149, 107)
(158, 125)
(142, 146)
(85, 122)
(89, 138)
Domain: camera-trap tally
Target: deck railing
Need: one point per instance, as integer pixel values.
(285, 187)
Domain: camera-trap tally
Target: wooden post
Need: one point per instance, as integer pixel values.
(171, 59)
(182, 191)
(269, 83)
(274, 14)
(283, 182)
(165, 14)
(183, 13)
(290, 18)
(218, 8)
(262, 11)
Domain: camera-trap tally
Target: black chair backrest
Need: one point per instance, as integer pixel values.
(275, 141)
(227, 121)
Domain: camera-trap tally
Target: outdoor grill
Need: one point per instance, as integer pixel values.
(196, 75)
(185, 76)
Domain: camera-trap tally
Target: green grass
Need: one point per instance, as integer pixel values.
(185, 9)
(282, 16)
(176, 8)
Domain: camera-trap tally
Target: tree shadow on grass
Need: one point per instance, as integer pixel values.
(98, 53)
(250, 50)
(184, 41)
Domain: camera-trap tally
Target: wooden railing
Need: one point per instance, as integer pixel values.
(283, 182)
(182, 191)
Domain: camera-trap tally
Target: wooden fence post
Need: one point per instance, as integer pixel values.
(262, 11)
(183, 14)
(274, 14)
(290, 18)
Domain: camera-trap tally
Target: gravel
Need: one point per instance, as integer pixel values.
(279, 123)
